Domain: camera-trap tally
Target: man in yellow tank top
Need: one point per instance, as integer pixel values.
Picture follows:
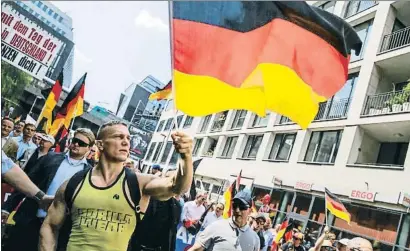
(102, 212)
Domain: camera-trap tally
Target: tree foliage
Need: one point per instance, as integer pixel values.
(13, 82)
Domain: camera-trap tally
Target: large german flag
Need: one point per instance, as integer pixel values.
(255, 55)
(46, 117)
(164, 93)
(336, 207)
(72, 107)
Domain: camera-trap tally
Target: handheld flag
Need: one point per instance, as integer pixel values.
(16, 120)
(282, 56)
(230, 194)
(336, 207)
(72, 107)
(285, 227)
(46, 117)
(164, 93)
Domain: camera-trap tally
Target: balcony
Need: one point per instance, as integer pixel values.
(219, 121)
(209, 147)
(388, 103)
(354, 7)
(396, 40)
(383, 145)
(329, 110)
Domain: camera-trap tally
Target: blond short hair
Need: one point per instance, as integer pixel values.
(87, 133)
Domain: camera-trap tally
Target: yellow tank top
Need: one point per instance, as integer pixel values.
(103, 219)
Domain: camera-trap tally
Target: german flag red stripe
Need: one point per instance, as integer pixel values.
(280, 56)
(336, 207)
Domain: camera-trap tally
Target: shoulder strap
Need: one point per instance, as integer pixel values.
(72, 186)
(133, 187)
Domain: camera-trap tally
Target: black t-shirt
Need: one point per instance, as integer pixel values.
(290, 247)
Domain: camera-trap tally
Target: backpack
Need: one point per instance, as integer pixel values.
(133, 187)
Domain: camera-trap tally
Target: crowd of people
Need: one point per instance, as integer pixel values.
(72, 200)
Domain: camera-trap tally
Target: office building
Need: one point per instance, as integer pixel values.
(357, 146)
(60, 22)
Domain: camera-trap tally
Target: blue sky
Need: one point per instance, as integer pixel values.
(118, 43)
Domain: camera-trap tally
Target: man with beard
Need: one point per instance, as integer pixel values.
(232, 234)
(103, 213)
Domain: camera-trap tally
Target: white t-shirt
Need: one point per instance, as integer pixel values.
(210, 217)
(192, 211)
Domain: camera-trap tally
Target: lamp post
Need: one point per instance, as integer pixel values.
(34, 103)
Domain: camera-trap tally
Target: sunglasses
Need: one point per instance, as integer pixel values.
(79, 142)
(328, 248)
(219, 208)
(241, 206)
(297, 239)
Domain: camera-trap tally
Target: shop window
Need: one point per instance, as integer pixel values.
(312, 233)
(258, 194)
(318, 211)
(377, 245)
(302, 204)
(371, 223)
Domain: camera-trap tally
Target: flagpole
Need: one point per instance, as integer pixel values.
(325, 210)
(171, 48)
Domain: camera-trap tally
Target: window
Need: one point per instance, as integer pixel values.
(48, 23)
(63, 33)
(216, 189)
(58, 30)
(179, 120)
(363, 30)
(252, 146)
(282, 146)
(37, 15)
(174, 158)
(45, 8)
(157, 152)
(205, 123)
(238, 119)
(31, 11)
(260, 122)
(151, 149)
(323, 146)
(392, 153)
(198, 143)
(161, 124)
(55, 16)
(53, 26)
(50, 12)
(43, 19)
(328, 6)
(168, 125)
(60, 19)
(166, 152)
(188, 121)
(229, 147)
(39, 4)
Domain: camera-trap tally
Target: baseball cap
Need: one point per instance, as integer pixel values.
(245, 197)
(47, 137)
(156, 166)
(359, 243)
(261, 216)
(327, 243)
(344, 241)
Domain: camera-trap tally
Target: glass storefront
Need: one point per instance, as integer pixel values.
(386, 229)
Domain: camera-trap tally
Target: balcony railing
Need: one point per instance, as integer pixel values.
(385, 103)
(328, 110)
(354, 7)
(396, 40)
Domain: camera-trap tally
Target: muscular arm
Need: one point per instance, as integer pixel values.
(53, 222)
(196, 247)
(18, 179)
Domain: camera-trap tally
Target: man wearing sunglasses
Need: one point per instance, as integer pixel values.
(48, 174)
(102, 208)
(296, 244)
(232, 234)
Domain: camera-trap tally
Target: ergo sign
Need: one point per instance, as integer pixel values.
(363, 195)
(303, 186)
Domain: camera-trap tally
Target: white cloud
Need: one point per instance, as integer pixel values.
(146, 20)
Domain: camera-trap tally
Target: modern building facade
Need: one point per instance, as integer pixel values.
(135, 98)
(60, 22)
(357, 146)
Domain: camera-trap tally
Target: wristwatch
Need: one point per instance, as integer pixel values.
(39, 196)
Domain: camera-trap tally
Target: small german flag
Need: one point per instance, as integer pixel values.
(164, 93)
(285, 227)
(230, 194)
(336, 207)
